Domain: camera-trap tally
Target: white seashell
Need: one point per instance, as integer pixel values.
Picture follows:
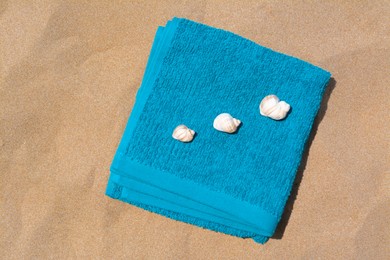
(272, 107)
(183, 134)
(226, 123)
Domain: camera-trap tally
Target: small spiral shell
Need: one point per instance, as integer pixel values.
(273, 108)
(183, 134)
(226, 123)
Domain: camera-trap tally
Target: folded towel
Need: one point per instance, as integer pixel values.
(238, 183)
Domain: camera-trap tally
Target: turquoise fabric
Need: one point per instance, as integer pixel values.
(238, 183)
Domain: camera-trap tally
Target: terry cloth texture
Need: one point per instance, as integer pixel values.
(238, 183)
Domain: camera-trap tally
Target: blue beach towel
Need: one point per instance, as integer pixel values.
(238, 183)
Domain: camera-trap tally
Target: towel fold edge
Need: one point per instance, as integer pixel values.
(263, 222)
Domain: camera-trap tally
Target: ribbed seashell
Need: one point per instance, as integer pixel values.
(226, 123)
(273, 108)
(183, 134)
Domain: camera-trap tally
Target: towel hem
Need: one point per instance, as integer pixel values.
(259, 220)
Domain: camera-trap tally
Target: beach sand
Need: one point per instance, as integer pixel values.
(69, 73)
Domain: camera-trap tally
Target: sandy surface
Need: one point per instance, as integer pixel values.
(69, 72)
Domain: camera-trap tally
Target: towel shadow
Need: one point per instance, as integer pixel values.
(294, 192)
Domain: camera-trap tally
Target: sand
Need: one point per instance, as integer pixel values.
(69, 72)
